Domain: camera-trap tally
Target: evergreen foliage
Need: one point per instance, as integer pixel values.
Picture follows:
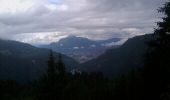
(157, 63)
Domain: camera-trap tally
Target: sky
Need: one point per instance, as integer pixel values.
(46, 21)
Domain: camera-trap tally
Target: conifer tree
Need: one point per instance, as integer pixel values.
(53, 82)
(60, 65)
(51, 65)
(156, 74)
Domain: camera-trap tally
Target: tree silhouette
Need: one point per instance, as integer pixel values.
(51, 65)
(157, 63)
(53, 82)
(60, 66)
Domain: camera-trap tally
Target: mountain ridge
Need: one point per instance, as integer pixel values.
(120, 60)
(24, 62)
(81, 49)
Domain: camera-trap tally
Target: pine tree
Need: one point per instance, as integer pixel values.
(52, 83)
(156, 74)
(51, 65)
(60, 65)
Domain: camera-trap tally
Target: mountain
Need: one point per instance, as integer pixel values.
(81, 49)
(120, 60)
(23, 62)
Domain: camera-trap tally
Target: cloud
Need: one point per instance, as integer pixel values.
(39, 38)
(96, 19)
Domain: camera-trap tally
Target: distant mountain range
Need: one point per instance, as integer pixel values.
(82, 49)
(24, 62)
(120, 60)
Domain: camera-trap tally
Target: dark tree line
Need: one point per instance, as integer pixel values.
(57, 84)
(157, 65)
(152, 82)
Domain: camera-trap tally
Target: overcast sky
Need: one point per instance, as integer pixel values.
(45, 21)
